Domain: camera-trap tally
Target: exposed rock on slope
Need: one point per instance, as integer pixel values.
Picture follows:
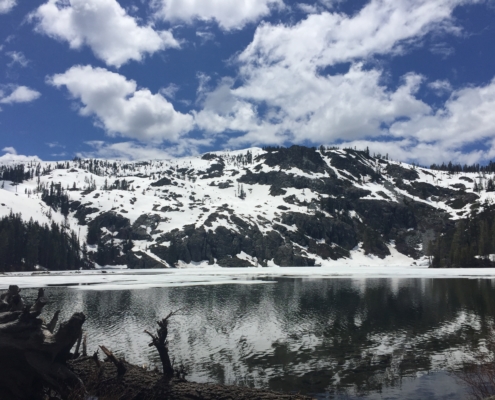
(294, 206)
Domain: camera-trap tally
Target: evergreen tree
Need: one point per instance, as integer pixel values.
(25, 245)
(484, 241)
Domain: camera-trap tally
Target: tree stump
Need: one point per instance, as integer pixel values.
(32, 357)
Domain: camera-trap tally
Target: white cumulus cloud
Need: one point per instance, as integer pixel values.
(120, 107)
(227, 13)
(10, 150)
(7, 5)
(20, 94)
(104, 26)
(320, 40)
(311, 82)
(466, 117)
(12, 156)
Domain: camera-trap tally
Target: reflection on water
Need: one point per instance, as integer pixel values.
(379, 338)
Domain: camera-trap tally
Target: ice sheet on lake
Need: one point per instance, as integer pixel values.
(149, 278)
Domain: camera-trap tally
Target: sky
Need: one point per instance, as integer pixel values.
(147, 79)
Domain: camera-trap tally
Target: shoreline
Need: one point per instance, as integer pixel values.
(139, 383)
(124, 279)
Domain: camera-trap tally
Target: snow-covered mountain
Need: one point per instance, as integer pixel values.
(294, 206)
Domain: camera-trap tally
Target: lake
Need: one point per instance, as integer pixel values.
(331, 338)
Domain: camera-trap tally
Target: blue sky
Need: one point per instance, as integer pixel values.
(139, 79)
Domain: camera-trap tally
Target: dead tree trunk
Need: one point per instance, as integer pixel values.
(160, 342)
(32, 357)
(117, 362)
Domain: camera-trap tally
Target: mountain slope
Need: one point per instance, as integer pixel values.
(294, 206)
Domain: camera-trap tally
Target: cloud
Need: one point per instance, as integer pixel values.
(9, 150)
(464, 120)
(442, 49)
(467, 117)
(287, 90)
(17, 58)
(227, 14)
(381, 27)
(169, 91)
(104, 26)
(205, 36)
(440, 87)
(7, 5)
(55, 144)
(63, 154)
(12, 156)
(20, 94)
(134, 151)
(120, 107)
(301, 106)
(308, 8)
(203, 84)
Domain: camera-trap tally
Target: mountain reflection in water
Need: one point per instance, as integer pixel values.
(332, 338)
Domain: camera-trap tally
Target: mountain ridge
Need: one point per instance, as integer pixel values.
(295, 206)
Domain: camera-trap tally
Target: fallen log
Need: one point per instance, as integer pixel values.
(118, 363)
(141, 384)
(32, 357)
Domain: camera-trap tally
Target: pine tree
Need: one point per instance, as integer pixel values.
(484, 239)
(25, 245)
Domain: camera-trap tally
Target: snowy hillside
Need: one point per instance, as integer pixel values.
(288, 207)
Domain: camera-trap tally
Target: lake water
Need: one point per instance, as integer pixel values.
(331, 338)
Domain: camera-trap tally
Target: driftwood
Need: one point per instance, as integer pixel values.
(160, 342)
(118, 363)
(85, 346)
(53, 323)
(32, 357)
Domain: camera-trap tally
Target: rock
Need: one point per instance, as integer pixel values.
(142, 227)
(348, 163)
(320, 227)
(225, 185)
(82, 211)
(462, 200)
(162, 182)
(110, 220)
(304, 158)
(140, 260)
(396, 171)
(277, 191)
(209, 156)
(234, 262)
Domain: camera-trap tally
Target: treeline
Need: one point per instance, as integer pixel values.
(55, 197)
(24, 245)
(118, 184)
(15, 174)
(110, 253)
(459, 246)
(458, 168)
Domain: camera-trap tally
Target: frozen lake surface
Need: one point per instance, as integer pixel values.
(122, 279)
(358, 334)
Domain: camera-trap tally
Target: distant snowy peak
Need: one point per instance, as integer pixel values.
(294, 206)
